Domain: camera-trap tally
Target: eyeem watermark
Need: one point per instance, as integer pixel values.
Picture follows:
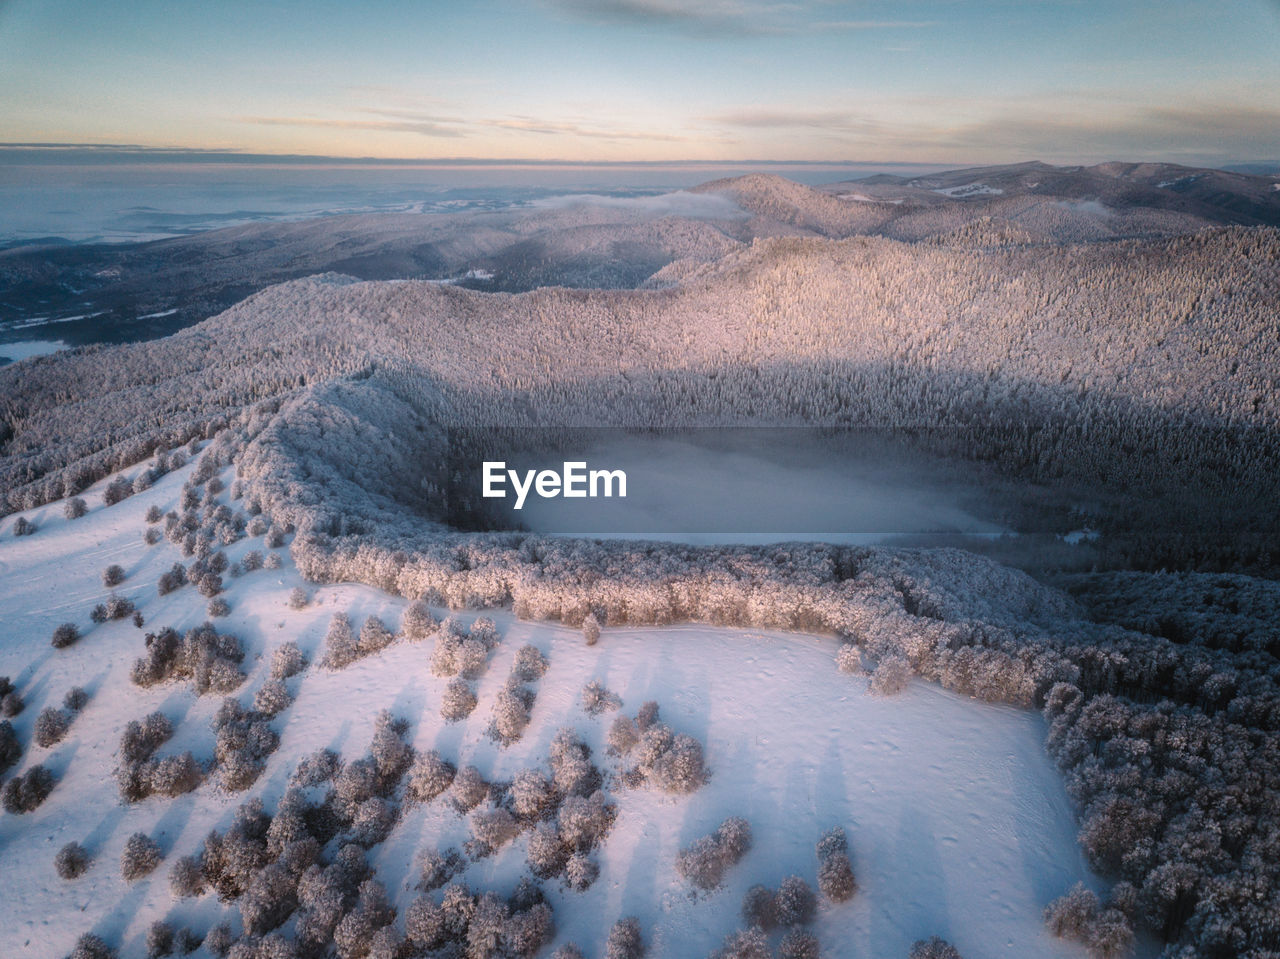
(574, 481)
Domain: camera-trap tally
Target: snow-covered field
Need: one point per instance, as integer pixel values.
(958, 823)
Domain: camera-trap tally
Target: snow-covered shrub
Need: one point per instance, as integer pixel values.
(568, 951)
(933, 948)
(392, 756)
(530, 664)
(623, 735)
(154, 513)
(795, 902)
(584, 821)
(340, 648)
(494, 827)
(298, 598)
(418, 623)
(758, 909)
(71, 861)
(678, 768)
(526, 931)
(140, 856)
(219, 939)
(186, 942)
(75, 508)
(274, 538)
(159, 940)
(218, 607)
(1070, 915)
(210, 585)
(374, 637)
(444, 655)
(429, 776)
(174, 578)
(251, 561)
(849, 660)
(438, 868)
(624, 940)
(243, 741)
(835, 877)
(272, 698)
(891, 675)
(204, 656)
(113, 575)
(744, 944)
(596, 699)
(23, 527)
(546, 854)
(152, 535)
(288, 660)
(832, 841)
(75, 700)
(64, 636)
(472, 658)
(11, 704)
(798, 944)
(485, 631)
(89, 946)
(25, 793)
(532, 795)
(424, 924)
(315, 768)
(511, 712)
(591, 629)
(270, 899)
(50, 727)
(257, 526)
(186, 877)
(273, 561)
(705, 861)
(10, 748)
(458, 700)
(580, 871)
(468, 790)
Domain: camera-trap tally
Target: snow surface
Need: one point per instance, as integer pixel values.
(958, 823)
(25, 349)
(969, 189)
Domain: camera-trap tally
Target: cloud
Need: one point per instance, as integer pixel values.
(726, 17)
(567, 128)
(426, 128)
(1068, 128)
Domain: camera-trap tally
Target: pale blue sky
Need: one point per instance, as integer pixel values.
(964, 81)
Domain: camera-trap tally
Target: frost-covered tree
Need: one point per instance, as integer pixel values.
(75, 508)
(530, 664)
(625, 941)
(596, 699)
(141, 855)
(298, 598)
(50, 727)
(288, 660)
(591, 629)
(468, 790)
(113, 575)
(25, 793)
(65, 635)
(458, 700)
(340, 649)
(72, 861)
(933, 948)
(795, 902)
(429, 777)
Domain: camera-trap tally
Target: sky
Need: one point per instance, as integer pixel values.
(922, 81)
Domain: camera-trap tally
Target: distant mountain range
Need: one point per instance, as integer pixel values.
(124, 292)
